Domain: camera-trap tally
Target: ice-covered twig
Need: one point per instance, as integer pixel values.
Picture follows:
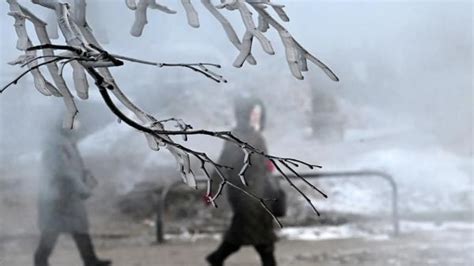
(296, 55)
(31, 69)
(295, 187)
(229, 30)
(140, 9)
(179, 124)
(251, 31)
(144, 117)
(140, 18)
(162, 8)
(285, 164)
(198, 67)
(247, 164)
(191, 14)
(40, 82)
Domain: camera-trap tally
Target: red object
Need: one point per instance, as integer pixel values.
(270, 166)
(207, 199)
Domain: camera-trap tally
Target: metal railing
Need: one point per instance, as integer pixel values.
(162, 196)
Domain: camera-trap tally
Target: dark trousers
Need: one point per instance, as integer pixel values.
(48, 241)
(226, 249)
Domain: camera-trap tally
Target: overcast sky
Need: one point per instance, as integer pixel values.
(409, 59)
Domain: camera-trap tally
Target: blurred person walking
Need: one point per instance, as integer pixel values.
(251, 224)
(64, 187)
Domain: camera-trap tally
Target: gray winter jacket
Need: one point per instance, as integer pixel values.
(63, 188)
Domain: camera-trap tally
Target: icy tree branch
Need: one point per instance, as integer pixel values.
(88, 58)
(296, 55)
(229, 30)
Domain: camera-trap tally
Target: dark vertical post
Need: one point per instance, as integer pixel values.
(396, 219)
(159, 219)
(160, 210)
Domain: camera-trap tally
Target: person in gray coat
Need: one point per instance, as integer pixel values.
(251, 224)
(64, 187)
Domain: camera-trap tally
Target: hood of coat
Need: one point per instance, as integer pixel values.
(249, 113)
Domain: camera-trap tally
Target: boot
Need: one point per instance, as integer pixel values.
(218, 257)
(86, 249)
(212, 260)
(45, 248)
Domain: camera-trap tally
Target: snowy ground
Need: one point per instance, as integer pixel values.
(419, 244)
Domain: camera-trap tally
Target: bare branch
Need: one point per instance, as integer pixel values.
(295, 187)
(33, 68)
(302, 178)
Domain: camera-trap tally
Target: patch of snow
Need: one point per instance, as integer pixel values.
(372, 231)
(329, 232)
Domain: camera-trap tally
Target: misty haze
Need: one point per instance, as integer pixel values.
(394, 138)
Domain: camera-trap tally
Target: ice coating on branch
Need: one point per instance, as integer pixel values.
(62, 90)
(52, 25)
(140, 18)
(296, 55)
(80, 80)
(162, 8)
(191, 14)
(251, 32)
(23, 43)
(43, 37)
(131, 4)
(141, 7)
(145, 118)
(229, 30)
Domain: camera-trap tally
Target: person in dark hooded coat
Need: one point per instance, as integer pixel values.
(64, 187)
(251, 224)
